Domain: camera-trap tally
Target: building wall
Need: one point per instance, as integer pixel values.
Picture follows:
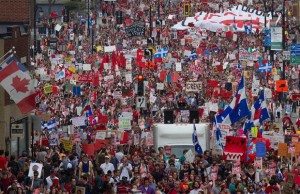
(19, 41)
(7, 108)
(15, 11)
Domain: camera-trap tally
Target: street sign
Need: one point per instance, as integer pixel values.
(286, 55)
(276, 38)
(295, 97)
(17, 130)
(141, 102)
(295, 54)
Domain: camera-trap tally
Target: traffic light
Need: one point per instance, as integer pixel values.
(186, 9)
(66, 15)
(119, 15)
(140, 85)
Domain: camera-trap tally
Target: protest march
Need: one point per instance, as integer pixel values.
(153, 97)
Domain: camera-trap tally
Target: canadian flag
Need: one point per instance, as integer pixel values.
(15, 79)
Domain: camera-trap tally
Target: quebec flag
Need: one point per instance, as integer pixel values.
(265, 68)
(259, 110)
(237, 109)
(161, 53)
(197, 146)
(192, 56)
(50, 125)
(258, 114)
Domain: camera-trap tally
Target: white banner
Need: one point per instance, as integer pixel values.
(193, 86)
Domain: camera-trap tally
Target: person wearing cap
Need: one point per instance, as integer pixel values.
(106, 166)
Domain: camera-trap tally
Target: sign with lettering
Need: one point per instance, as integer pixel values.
(244, 55)
(135, 30)
(193, 86)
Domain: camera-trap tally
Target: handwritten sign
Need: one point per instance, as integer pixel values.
(78, 121)
(124, 123)
(244, 55)
(193, 86)
(282, 149)
(67, 144)
(135, 30)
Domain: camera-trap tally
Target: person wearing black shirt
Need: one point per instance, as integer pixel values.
(157, 174)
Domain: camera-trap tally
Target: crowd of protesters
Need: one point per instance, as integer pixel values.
(140, 168)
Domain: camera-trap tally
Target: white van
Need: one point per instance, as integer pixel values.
(179, 136)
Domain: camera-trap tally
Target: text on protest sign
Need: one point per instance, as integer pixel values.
(135, 30)
(193, 86)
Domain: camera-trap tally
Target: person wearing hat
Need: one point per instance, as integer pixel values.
(106, 166)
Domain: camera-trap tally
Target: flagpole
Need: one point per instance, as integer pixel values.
(11, 51)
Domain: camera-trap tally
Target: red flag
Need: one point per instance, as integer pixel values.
(212, 83)
(54, 90)
(89, 149)
(139, 55)
(158, 60)
(113, 60)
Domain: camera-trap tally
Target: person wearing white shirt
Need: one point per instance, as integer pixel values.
(120, 154)
(125, 167)
(106, 166)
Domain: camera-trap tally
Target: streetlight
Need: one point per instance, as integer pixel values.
(41, 13)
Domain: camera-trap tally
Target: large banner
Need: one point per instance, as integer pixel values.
(236, 16)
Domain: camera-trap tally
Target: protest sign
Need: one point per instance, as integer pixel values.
(193, 86)
(236, 169)
(282, 149)
(78, 121)
(88, 149)
(35, 167)
(214, 173)
(67, 144)
(245, 55)
(189, 156)
(261, 149)
(124, 123)
(109, 49)
(135, 30)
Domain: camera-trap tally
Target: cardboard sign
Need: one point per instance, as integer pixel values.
(68, 145)
(282, 86)
(193, 86)
(35, 167)
(282, 149)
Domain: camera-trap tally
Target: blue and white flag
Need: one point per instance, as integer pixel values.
(192, 56)
(50, 125)
(259, 110)
(60, 75)
(197, 146)
(265, 68)
(161, 53)
(237, 109)
(234, 24)
(248, 29)
(258, 114)
(219, 136)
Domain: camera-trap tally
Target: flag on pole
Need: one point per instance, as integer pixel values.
(197, 146)
(16, 80)
(237, 109)
(50, 125)
(161, 53)
(234, 24)
(258, 114)
(192, 56)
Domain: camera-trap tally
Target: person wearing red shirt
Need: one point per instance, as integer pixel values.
(3, 161)
(272, 187)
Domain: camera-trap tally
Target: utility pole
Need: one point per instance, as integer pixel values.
(158, 15)
(88, 22)
(283, 38)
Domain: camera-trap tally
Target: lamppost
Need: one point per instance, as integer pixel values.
(41, 13)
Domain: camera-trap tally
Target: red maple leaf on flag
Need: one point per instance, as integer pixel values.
(20, 85)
